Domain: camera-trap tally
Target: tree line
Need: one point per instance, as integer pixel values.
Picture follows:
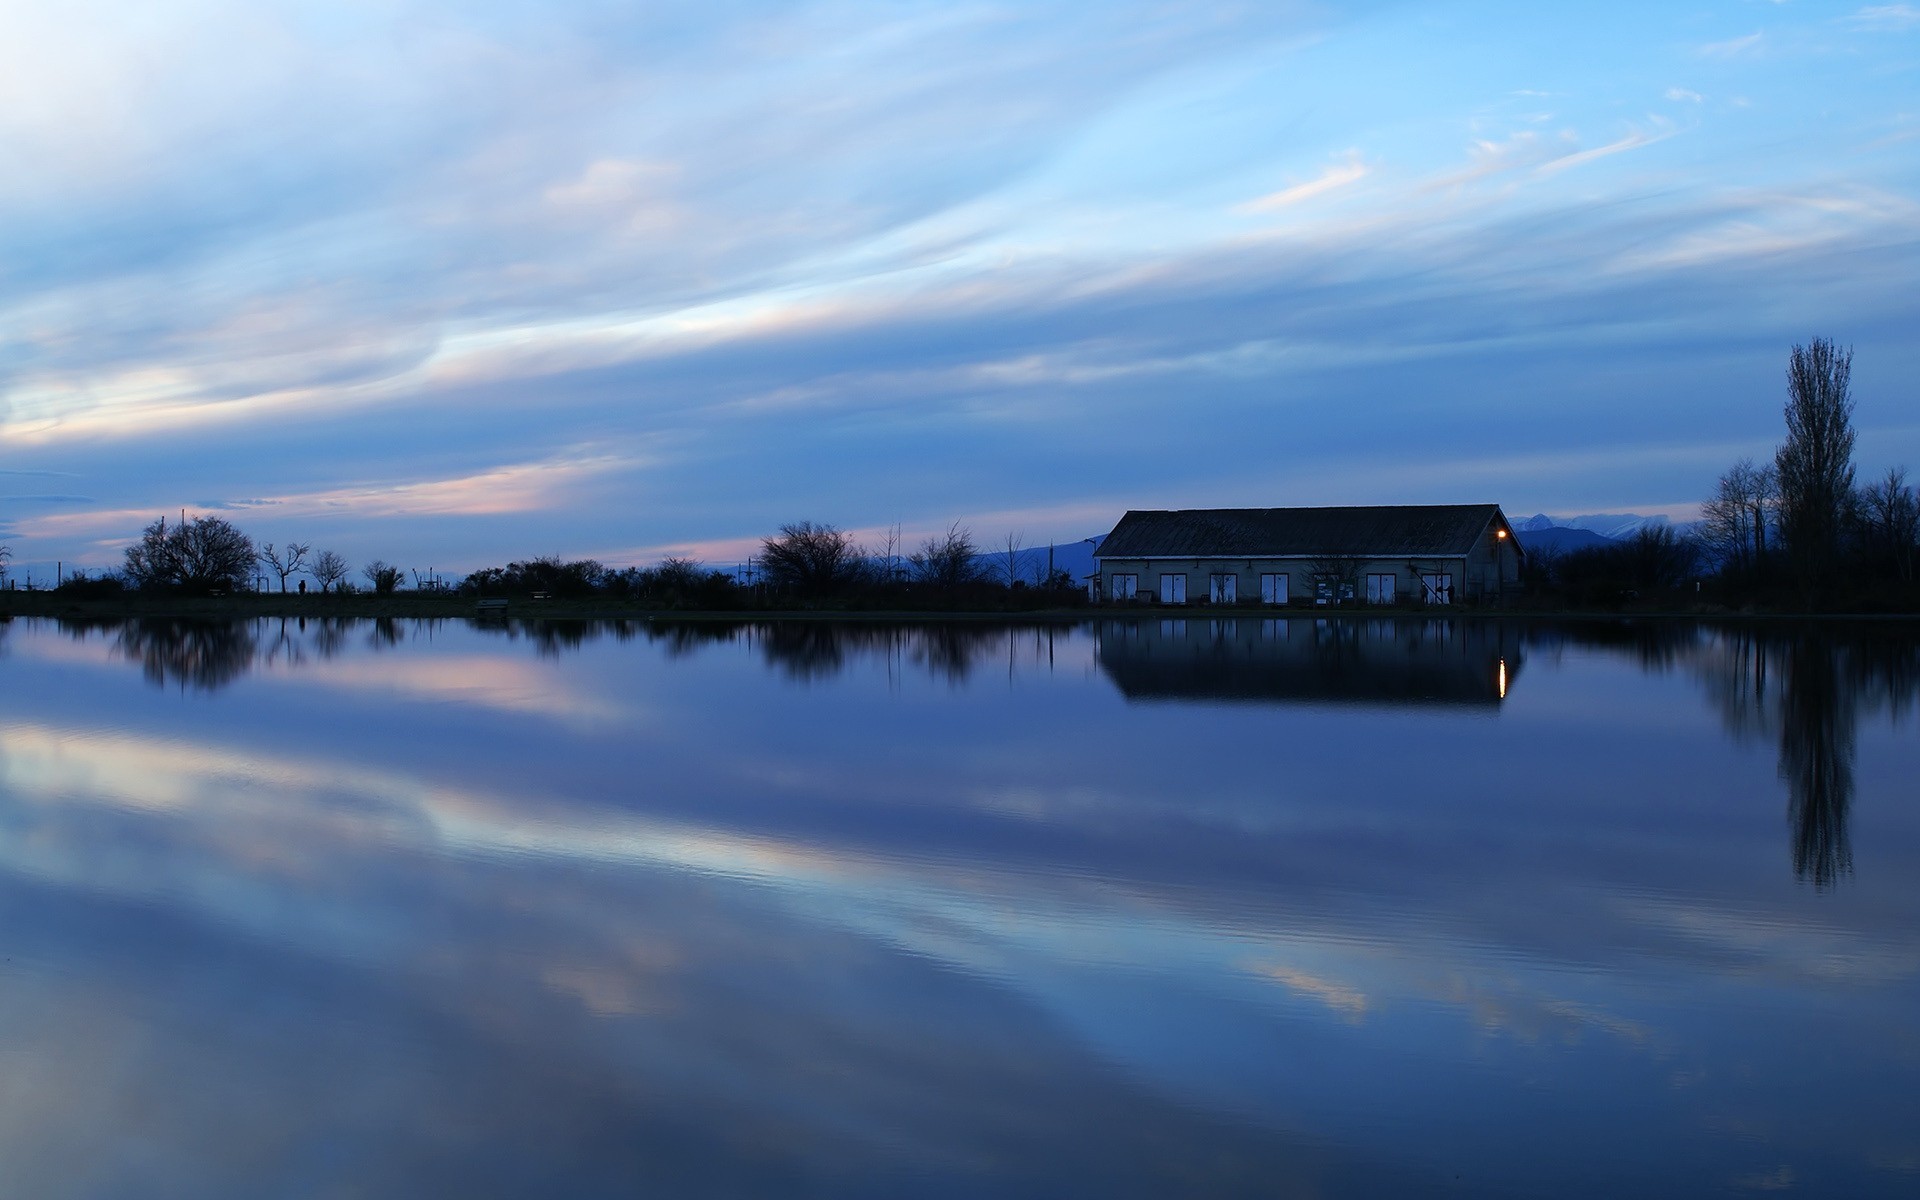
(805, 564)
(1795, 532)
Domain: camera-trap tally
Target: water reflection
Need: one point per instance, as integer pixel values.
(1816, 761)
(203, 655)
(1375, 662)
(1802, 687)
(872, 910)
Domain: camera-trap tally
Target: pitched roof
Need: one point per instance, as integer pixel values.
(1376, 531)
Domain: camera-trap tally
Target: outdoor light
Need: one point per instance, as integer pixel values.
(1499, 533)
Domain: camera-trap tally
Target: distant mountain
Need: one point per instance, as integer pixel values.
(1608, 525)
(1557, 539)
(1075, 558)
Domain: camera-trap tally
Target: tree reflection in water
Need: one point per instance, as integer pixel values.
(1816, 761)
(1804, 689)
(204, 655)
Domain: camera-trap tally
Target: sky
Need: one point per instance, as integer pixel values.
(455, 284)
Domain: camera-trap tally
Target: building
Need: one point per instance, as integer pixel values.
(1428, 554)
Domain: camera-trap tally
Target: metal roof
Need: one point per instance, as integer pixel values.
(1374, 531)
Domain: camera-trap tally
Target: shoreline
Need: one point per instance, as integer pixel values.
(408, 605)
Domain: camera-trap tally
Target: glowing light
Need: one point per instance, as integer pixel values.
(1503, 679)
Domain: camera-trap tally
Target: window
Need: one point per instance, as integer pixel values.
(1379, 589)
(1273, 589)
(1225, 590)
(1124, 587)
(1173, 589)
(1436, 588)
(1331, 589)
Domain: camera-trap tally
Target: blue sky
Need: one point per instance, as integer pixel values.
(454, 284)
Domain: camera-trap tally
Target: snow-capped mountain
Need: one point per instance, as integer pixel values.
(1607, 525)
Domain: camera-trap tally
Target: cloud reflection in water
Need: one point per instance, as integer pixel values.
(947, 909)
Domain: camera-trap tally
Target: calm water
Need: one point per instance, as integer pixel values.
(1138, 909)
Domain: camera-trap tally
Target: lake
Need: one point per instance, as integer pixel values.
(1210, 907)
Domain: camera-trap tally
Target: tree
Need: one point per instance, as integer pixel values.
(1815, 463)
(1891, 512)
(948, 560)
(1736, 520)
(813, 560)
(205, 554)
(1336, 578)
(887, 556)
(384, 576)
(6, 556)
(284, 562)
(328, 568)
(1009, 556)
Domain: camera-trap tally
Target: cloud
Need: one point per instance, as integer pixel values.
(1684, 95)
(1334, 177)
(1735, 47)
(1632, 141)
(494, 491)
(978, 259)
(1892, 18)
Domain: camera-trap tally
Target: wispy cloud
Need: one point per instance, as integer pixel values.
(1334, 177)
(1751, 43)
(1632, 141)
(1894, 18)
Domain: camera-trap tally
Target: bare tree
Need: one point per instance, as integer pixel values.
(1009, 556)
(810, 559)
(888, 555)
(947, 560)
(1815, 463)
(1892, 514)
(1341, 575)
(328, 568)
(1740, 512)
(283, 562)
(6, 557)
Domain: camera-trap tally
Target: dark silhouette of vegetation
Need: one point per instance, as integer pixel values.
(1815, 463)
(1797, 534)
(383, 577)
(328, 570)
(1655, 564)
(811, 561)
(200, 556)
(948, 562)
(1736, 524)
(82, 586)
(284, 562)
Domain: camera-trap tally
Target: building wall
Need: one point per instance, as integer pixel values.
(1485, 574)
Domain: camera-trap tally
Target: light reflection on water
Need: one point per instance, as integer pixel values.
(1233, 906)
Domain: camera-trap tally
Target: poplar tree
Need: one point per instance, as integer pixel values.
(1815, 464)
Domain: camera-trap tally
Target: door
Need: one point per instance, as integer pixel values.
(1273, 589)
(1225, 589)
(1173, 589)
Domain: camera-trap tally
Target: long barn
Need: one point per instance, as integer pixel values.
(1426, 554)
